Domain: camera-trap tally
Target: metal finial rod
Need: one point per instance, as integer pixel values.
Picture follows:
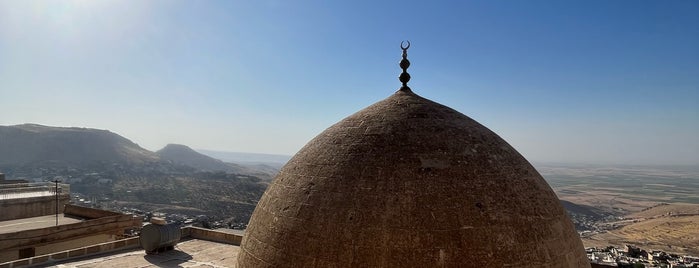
(404, 64)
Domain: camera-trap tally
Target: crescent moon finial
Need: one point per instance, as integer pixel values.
(404, 47)
(404, 64)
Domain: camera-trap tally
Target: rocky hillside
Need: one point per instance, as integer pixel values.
(34, 151)
(183, 155)
(101, 165)
(30, 143)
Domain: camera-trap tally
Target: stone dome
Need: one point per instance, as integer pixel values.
(408, 182)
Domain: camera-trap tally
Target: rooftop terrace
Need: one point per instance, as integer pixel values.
(17, 225)
(189, 253)
(199, 248)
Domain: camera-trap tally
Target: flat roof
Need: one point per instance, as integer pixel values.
(187, 253)
(26, 194)
(23, 224)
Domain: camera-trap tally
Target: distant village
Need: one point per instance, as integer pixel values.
(204, 221)
(633, 256)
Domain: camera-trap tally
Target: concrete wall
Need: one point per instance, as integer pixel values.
(74, 243)
(87, 213)
(43, 260)
(4, 180)
(11, 255)
(209, 235)
(38, 237)
(19, 208)
(100, 226)
(8, 255)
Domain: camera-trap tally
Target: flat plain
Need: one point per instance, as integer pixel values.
(655, 208)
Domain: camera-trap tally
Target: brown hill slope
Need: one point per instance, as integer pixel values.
(670, 227)
(31, 143)
(27, 149)
(183, 155)
(679, 234)
(664, 209)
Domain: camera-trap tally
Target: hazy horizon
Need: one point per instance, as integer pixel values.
(562, 82)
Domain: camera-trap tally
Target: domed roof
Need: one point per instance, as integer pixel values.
(408, 182)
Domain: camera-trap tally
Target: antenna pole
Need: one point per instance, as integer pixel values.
(56, 190)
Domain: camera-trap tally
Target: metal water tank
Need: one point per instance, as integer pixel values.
(158, 237)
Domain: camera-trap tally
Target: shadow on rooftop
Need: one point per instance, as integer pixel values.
(170, 258)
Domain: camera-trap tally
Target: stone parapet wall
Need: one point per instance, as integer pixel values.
(210, 235)
(87, 213)
(19, 208)
(129, 243)
(35, 237)
(123, 244)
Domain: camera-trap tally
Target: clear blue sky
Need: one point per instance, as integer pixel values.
(562, 81)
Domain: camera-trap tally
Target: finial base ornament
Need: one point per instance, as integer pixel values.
(404, 64)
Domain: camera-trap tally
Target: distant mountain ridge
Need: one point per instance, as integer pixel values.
(30, 143)
(183, 155)
(277, 160)
(102, 165)
(38, 145)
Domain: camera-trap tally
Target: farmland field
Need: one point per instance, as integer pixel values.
(655, 207)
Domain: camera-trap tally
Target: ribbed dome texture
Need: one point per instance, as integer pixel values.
(408, 182)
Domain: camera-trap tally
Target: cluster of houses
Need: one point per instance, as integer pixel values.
(205, 221)
(636, 257)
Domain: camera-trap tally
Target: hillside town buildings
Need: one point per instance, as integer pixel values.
(633, 256)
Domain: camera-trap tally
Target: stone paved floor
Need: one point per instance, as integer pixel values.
(17, 225)
(189, 253)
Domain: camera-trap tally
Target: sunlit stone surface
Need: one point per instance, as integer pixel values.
(408, 182)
